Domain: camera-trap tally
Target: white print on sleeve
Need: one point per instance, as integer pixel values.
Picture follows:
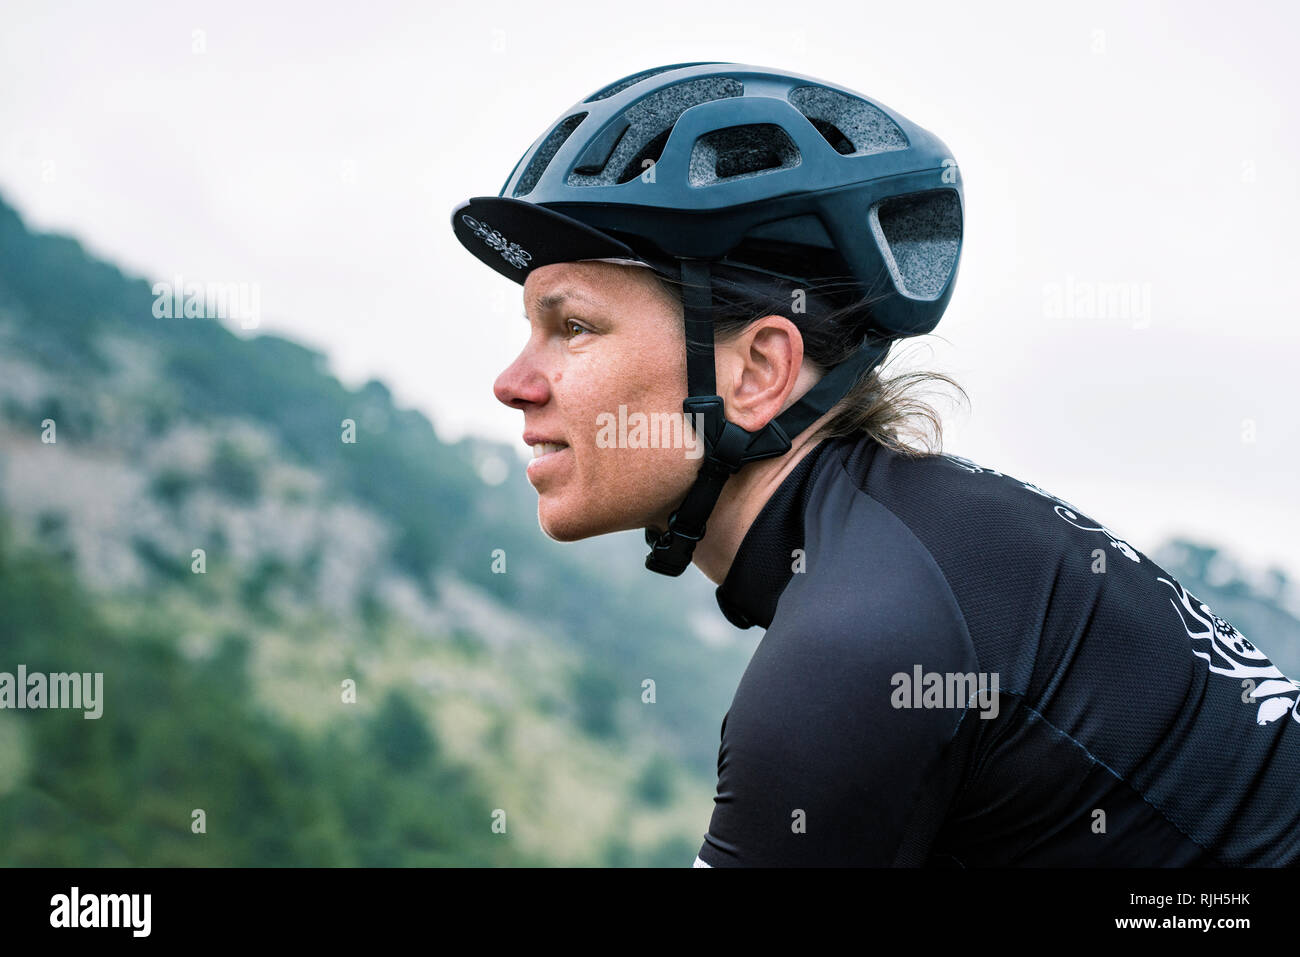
(1228, 652)
(1223, 648)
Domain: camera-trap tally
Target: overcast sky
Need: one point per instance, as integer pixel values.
(317, 151)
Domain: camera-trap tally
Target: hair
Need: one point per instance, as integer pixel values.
(891, 410)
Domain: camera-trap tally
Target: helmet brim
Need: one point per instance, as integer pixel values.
(515, 237)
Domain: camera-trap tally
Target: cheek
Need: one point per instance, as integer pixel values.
(646, 376)
(597, 383)
(614, 485)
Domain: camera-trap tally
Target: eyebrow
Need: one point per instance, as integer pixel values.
(555, 299)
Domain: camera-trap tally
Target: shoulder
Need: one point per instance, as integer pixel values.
(946, 496)
(863, 573)
(953, 557)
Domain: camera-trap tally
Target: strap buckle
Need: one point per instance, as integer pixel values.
(727, 448)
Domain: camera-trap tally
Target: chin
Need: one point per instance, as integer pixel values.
(563, 526)
(570, 525)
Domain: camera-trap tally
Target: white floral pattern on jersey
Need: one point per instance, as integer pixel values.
(1223, 648)
(1228, 652)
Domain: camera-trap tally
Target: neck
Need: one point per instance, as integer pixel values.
(742, 498)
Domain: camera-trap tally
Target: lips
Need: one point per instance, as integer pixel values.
(548, 462)
(542, 444)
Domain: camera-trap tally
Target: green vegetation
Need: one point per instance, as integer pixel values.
(176, 737)
(222, 689)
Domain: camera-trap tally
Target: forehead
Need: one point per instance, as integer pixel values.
(591, 283)
(548, 280)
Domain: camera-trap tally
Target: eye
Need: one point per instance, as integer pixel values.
(574, 328)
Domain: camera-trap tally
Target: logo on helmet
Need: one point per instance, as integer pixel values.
(512, 253)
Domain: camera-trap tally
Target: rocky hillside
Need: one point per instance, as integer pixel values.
(332, 651)
(190, 494)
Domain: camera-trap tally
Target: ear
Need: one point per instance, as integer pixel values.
(759, 370)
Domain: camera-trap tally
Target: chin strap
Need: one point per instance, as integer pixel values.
(727, 446)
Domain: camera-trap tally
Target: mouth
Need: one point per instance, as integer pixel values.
(548, 459)
(542, 449)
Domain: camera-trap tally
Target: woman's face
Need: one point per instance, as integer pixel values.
(601, 336)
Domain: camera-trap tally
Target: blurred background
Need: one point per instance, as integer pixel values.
(1123, 324)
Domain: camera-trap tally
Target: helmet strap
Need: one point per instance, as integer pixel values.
(727, 445)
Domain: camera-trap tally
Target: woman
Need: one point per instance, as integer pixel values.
(958, 668)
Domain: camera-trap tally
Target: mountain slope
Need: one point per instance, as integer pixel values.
(325, 561)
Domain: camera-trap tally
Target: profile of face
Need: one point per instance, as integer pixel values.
(601, 336)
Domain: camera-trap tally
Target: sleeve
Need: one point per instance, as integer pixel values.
(830, 755)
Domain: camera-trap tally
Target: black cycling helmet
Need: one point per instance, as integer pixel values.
(693, 166)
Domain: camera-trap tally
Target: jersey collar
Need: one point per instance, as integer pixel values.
(764, 563)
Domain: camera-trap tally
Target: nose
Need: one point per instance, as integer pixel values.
(521, 383)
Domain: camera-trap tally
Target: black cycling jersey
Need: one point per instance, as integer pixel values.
(960, 669)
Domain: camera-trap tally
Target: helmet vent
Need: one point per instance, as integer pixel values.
(650, 122)
(545, 153)
(832, 134)
(920, 235)
(618, 86)
(645, 157)
(846, 121)
(739, 152)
